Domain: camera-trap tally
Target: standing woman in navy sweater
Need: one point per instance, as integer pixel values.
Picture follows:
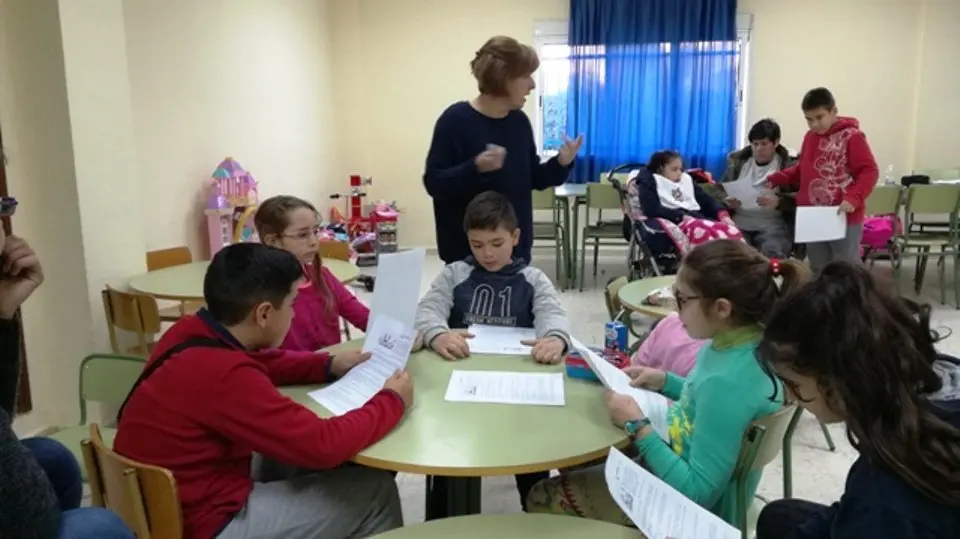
(487, 144)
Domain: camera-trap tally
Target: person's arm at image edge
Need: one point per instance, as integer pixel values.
(9, 363)
(863, 169)
(251, 411)
(714, 447)
(448, 172)
(549, 317)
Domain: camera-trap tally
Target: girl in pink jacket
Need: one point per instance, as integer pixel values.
(293, 224)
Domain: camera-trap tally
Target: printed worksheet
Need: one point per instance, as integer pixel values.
(500, 340)
(538, 389)
(657, 509)
(389, 342)
(654, 405)
(820, 223)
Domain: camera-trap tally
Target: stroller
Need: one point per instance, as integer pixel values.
(644, 261)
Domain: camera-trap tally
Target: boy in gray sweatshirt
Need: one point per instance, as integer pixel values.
(492, 288)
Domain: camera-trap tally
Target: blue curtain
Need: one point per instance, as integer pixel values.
(648, 75)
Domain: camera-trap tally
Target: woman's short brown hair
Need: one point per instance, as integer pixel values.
(500, 60)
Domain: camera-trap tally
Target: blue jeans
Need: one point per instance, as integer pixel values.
(63, 471)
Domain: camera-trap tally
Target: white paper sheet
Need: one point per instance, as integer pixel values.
(542, 389)
(388, 341)
(659, 511)
(744, 191)
(398, 286)
(500, 340)
(653, 405)
(820, 223)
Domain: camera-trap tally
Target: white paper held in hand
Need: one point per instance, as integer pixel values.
(389, 342)
(743, 191)
(398, 286)
(820, 223)
(657, 509)
(537, 389)
(653, 405)
(500, 340)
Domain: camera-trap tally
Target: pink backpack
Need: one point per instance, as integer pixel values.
(878, 231)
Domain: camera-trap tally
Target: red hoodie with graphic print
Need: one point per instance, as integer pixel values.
(835, 166)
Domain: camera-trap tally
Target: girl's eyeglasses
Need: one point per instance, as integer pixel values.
(305, 234)
(681, 299)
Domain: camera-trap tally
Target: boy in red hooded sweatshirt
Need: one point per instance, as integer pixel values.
(207, 400)
(836, 168)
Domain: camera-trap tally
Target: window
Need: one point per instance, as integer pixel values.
(553, 78)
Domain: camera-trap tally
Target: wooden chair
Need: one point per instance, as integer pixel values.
(336, 250)
(132, 312)
(105, 379)
(760, 446)
(165, 258)
(144, 496)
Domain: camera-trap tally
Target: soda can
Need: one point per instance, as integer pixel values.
(615, 337)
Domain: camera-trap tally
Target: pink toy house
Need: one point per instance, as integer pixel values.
(231, 204)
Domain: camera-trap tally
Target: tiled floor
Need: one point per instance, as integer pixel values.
(818, 474)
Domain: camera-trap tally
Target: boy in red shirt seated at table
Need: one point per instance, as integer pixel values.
(207, 400)
(836, 168)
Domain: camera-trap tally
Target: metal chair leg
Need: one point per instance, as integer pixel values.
(826, 434)
(788, 454)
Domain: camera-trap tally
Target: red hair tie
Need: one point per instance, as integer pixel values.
(775, 267)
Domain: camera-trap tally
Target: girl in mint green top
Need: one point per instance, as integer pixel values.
(725, 289)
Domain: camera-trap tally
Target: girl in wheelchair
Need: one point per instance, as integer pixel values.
(671, 213)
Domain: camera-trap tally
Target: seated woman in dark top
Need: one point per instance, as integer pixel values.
(40, 485)
(487, 144)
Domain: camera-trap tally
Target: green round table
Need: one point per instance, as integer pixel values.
(512, 526)
(185, 282)
(634, 293)
(457, 443)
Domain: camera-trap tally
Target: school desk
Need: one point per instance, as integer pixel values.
(512, 526)
(455, 444)
(185, 282)
(633, 295)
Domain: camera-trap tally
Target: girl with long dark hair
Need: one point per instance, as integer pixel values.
(850, 352)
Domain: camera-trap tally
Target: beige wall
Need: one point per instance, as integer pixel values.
(938, 86)
(249, 79)
(114, 113)
(871, 59)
